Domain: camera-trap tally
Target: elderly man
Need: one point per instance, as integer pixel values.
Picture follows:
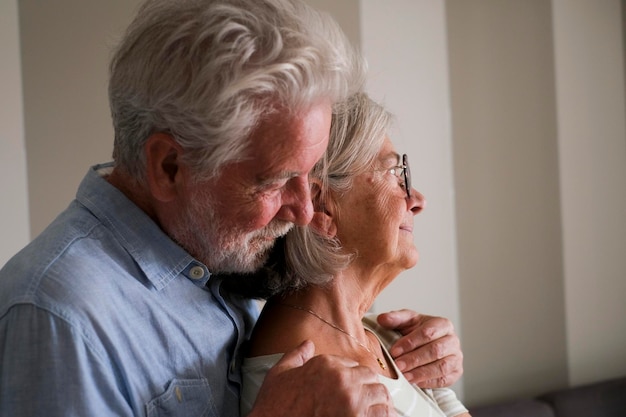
(220, 109)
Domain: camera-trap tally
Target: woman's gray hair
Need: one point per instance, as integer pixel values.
(208, 72)
(357, 135)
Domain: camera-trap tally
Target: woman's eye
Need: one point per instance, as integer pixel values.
(396, 172)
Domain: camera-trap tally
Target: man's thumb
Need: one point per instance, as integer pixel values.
(297, 357)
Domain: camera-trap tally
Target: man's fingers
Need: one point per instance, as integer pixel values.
(359, 383)
(429, 349)
(297, 357)
(396, 319)
(381, 404)
(381, 410)
(417, 329)
(429, 352)
(335, 386)
(439, 332)
(376, 393)
(446, 370)
(443, 382)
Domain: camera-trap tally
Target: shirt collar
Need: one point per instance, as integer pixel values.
(162, 259)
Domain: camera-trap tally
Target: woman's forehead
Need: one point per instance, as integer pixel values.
(387, 153)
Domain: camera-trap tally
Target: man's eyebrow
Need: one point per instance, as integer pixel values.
(283, 175)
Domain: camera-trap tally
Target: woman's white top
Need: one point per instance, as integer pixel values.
(409, 400)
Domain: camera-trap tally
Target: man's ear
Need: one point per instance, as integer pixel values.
(164, 172)
(323, 218)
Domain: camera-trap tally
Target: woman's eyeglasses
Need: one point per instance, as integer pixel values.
(405, 171)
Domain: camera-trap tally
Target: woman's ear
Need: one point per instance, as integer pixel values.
(164, 172)
(324, 224)
(319, 200)
(323, 219)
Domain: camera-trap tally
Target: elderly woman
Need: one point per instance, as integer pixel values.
(326, 276)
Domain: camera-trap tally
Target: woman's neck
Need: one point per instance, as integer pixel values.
(343, 301)
(330, 316)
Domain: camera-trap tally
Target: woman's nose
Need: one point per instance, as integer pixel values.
(417, 202)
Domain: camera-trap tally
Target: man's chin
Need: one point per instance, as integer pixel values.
(253, 252)
(259, 255)
(238, 263)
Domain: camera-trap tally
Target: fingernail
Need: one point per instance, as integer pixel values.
(397, 351)
(401, 365)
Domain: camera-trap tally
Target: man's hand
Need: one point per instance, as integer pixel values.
(429, 353)
(328, 386)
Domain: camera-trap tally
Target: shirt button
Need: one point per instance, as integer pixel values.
(197, 272)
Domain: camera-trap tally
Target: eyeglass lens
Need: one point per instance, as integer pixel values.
(407, 175)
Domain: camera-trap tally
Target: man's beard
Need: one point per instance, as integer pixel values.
(223, 248)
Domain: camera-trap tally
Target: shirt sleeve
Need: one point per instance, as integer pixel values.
(49, 368)
(448, 402)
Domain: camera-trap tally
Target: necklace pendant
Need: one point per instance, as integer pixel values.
(382, 365)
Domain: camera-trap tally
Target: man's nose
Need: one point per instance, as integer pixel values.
(297, 207)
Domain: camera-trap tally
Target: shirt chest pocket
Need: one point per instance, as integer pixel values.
(183, 398)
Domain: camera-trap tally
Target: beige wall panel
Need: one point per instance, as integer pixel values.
(66, 47)
(506, 178)
(592, 147)
(14, 221)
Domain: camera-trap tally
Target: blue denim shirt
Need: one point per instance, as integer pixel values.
(104, 315)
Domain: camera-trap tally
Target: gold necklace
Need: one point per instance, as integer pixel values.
(334, 326)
